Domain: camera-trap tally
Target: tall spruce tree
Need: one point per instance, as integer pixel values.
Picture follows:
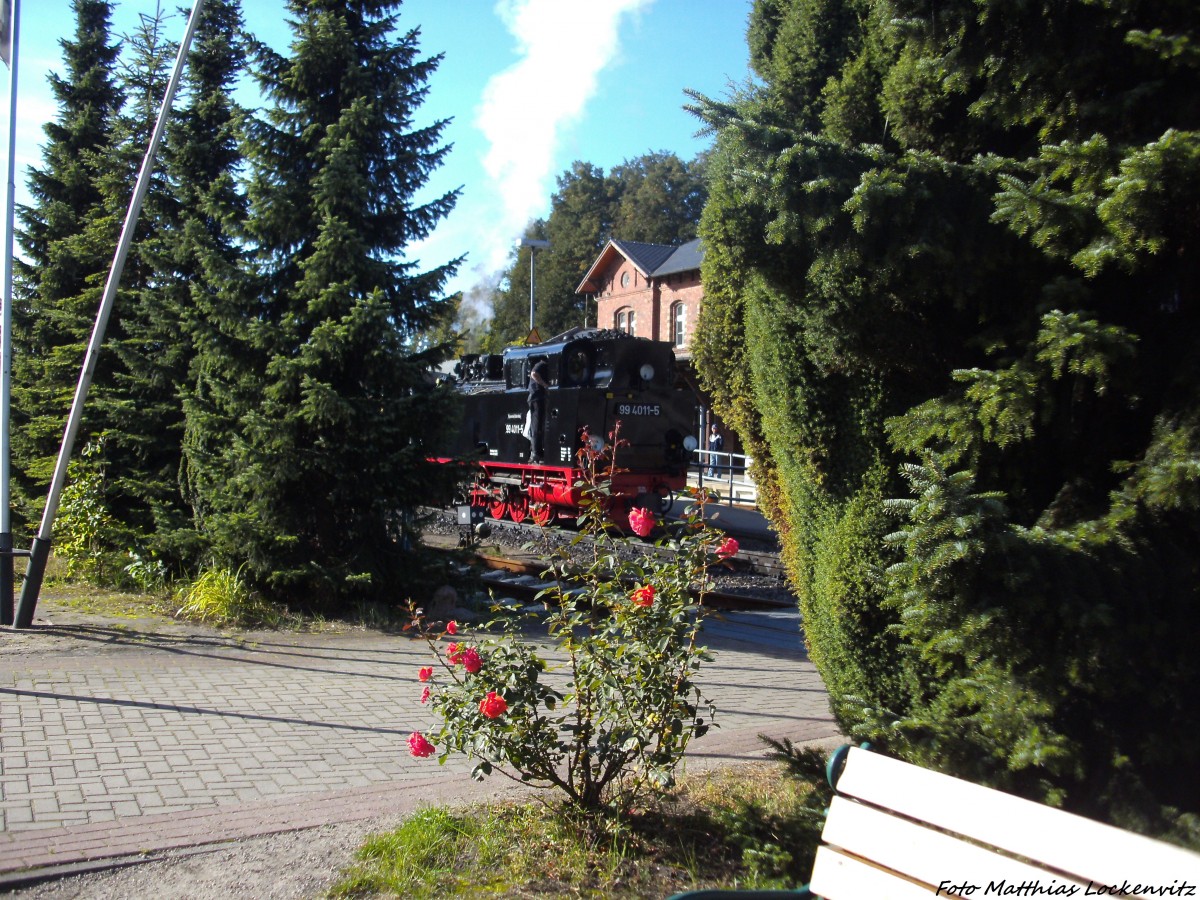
(951, 303)
(206, 256)
(67, 235)
(333, 450)
(134, 402)
(182, 264)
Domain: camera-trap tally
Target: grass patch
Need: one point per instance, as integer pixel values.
(378, 616)
(93, 600)
(746, 827)
(218, 597)
(112, 604)
(215, 600)
(222, 597)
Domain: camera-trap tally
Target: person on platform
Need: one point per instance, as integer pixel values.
(715, 444)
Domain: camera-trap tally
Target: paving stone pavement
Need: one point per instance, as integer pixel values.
(129, 740)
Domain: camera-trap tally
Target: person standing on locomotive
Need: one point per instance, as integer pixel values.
(537, 410)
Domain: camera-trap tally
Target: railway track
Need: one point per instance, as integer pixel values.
(514, 555)
(756, 556)
(523, 580)
(767, 565)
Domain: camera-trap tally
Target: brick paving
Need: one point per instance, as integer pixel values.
(130, 740)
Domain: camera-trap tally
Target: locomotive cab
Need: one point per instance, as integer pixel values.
(598, 379)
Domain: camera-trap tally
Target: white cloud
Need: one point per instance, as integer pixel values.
(563, 45)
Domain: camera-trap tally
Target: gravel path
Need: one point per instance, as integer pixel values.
(298, 864)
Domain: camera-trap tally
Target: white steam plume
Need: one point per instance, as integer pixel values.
(564, 45)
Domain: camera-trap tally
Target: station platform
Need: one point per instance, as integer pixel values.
(736, 518)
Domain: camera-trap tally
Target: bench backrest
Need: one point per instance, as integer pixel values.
(897, 830)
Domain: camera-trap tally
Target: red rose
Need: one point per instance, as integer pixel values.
(641, 521)
(451, 627)
(643, 596)
(425, 673)
(493, 705)
(728, 548)
(425, 694)
(454, 654)
(419, 746)
(471, 660)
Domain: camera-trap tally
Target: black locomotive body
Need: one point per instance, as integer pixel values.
(598, 380)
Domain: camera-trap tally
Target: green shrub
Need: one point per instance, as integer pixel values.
(84, 529)
(148, 575)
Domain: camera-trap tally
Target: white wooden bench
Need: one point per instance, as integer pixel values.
(895, 830)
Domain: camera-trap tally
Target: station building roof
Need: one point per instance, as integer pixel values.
(651, 260)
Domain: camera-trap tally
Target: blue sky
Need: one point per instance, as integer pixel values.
(531, 86)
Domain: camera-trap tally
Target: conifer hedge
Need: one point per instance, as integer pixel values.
(951, 305)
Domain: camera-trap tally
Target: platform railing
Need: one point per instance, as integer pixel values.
(726, 473)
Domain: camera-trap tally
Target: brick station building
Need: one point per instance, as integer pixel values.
(650, 290)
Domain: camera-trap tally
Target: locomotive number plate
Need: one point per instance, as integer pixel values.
(639, 409)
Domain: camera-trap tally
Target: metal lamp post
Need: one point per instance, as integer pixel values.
(533, 244)
(11, 39)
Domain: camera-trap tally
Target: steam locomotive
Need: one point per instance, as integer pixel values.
(597, 379)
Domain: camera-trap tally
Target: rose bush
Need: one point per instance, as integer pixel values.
(605, 712)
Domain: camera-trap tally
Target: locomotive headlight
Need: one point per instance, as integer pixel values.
(597, 443)
(647, 372)
(690, 443)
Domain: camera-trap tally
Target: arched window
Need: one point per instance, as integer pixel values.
(625, 320)
(679, 324)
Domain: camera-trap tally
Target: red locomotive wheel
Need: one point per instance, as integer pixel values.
(497, 508)
(542, 513)
(518, 509)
